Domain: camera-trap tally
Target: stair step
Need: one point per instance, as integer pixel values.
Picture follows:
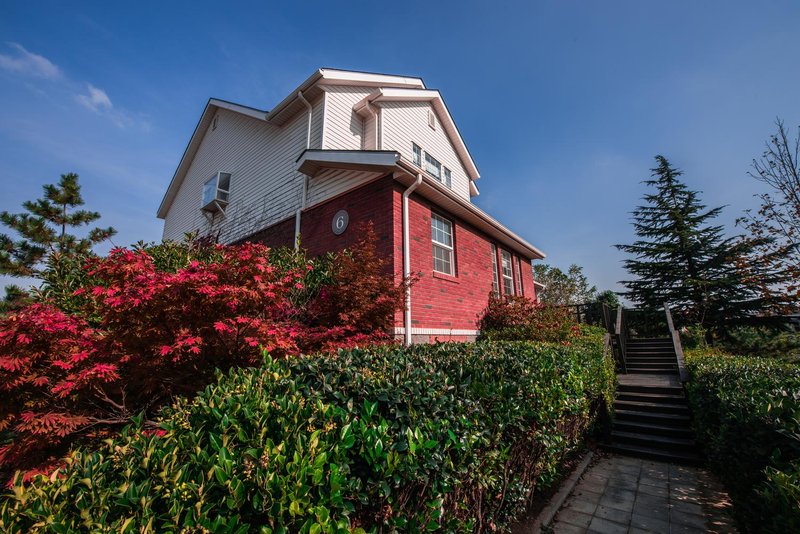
(637, 352)
(652, 429)
(685, 457)
(651, 390)
(651, 441)
(650, 340)
(654, 365)
(651, 397)
(634, 370)
(654, 407)
(638, 362)
(662, 419)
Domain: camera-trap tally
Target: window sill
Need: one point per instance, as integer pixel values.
(446, 277)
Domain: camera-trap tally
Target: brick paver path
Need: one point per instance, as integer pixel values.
(629, 495)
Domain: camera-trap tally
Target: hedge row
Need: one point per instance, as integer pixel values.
(449, 436)
(747, 415)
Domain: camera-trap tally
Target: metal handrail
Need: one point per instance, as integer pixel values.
(621, 335)
(676, 343)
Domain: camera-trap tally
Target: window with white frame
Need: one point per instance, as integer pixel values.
(442, 237)
(433, 167)
(508, 272)
(417, 154)
(520, 288)
(448, 180)
(216, 190)
(495, 274)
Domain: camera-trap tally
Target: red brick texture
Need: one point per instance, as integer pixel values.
(438, 301)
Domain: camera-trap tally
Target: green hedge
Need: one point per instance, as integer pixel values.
(747, 416)
(449, 436)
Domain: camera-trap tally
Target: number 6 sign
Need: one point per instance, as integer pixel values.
(339, 223)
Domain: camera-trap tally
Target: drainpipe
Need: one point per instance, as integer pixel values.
(298, 213)
(407, 259)
(374, 114)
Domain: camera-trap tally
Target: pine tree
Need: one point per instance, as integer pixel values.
(681, 258)
(44, 230)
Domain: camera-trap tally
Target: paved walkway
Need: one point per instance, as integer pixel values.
(619, 494)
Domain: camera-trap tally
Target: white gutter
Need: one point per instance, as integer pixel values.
(298, 213)
(407, 260)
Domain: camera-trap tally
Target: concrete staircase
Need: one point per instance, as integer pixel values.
(652, 414)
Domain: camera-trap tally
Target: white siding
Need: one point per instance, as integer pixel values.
(405, 123)
(344, 128)
(265, 187)
(332, 182)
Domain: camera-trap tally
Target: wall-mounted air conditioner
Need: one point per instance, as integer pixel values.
(216, 192)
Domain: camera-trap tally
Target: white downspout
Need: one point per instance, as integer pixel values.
(298, 213)
(374, 115)
(407, 260)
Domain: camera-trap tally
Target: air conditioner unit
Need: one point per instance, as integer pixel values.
(216, 192)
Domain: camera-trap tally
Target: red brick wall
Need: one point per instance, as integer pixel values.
(369, 203)
(278, 235)
(437, 300)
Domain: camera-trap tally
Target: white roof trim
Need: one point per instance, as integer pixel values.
(393, 94)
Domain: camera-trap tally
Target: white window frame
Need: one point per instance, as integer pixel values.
(520, 287)
(416, 150)
(220, 197)
(448, 177)
(508, 278)
(495, 273)
(432, 164)
(446, 248)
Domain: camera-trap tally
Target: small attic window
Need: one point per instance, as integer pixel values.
(216, 192)
(431, 119)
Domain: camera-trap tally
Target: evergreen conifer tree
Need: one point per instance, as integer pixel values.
(682, 258)
(44, 231)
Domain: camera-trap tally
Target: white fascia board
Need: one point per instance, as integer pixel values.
(369, 79)
(464, 209)
(311, 161)
(473, 189)
(238, 108)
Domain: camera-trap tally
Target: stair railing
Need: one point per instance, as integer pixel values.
(676, 343)
(621, 336)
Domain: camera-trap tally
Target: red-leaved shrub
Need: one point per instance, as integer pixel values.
(515, 318)
(152, 328)
(357, 304)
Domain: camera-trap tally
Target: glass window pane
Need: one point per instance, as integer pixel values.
(447, 178)
(433, 167)
(209, 190)
(495, 275)
(417, 154)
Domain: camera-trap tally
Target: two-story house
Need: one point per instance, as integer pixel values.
(345, 148)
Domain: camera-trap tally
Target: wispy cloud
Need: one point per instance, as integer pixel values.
(26, 64)
(95, 99)
(22, 61)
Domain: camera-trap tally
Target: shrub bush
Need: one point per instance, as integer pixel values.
(511, 318)
(747, 416)
(156, 321)
(439, 437)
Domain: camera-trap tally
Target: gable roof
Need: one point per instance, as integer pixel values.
(397, 94)
(290, 106)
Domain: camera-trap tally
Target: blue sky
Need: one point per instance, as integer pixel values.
(563, 104)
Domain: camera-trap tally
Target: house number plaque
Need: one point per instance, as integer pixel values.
(339, 223)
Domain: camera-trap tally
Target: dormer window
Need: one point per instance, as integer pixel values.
(216, 192)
